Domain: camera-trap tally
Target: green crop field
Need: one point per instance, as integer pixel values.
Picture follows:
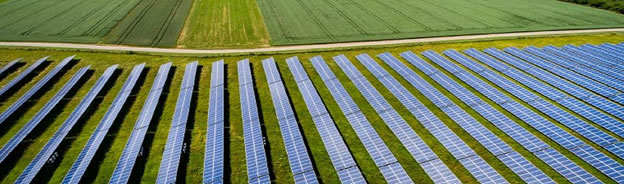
(155, 23)
(224, 24)
(323, 21)
(60, 20)
(147, 167)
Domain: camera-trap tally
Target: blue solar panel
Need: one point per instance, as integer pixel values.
(577, 68)
(43, 112)
(257, 169)
(377, 149)
(562, 165)
(175, 139)
(547, 108)
(600, 54)
(490, 141)
(412, 142)
(17, 104)
(215, 143)
(50, 148)
(591, 57)
(124, 167)
(21, 76)
(88, 152)
(341, 158)
(9, 66)
(298, 157)
(582, 61)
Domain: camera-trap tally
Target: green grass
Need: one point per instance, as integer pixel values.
(224, 24)
(61, 20)
(157, 134)
(302, 22)
(155, 23)
(613, 5)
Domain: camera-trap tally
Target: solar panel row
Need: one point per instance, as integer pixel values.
(404, 132)
(376, 148)
(43, 112)
(88, 152)
(547, 108)
(9, 66)
(21, 76)
(577, 68)
(213, 156)
(582, 61)
(457, 147)
(576, 91)
(339, 153)
(610, 49)
(590, 57)
(131, 151)
(49, 149)
(527, 171)
(168, 171)
(257, 169)
(300, 163)
(33, 90)
(567, 168)
(577, 106)
(611, 56)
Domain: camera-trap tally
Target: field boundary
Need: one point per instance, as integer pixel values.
(99, 47)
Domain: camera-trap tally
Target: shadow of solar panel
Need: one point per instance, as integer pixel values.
(49, 149)
(88, 152)
(21, 76)
(300, 163)
(257, 169)
(17, 104)
(126, 162)
(43, 112)
(168, 171)
(8, 66)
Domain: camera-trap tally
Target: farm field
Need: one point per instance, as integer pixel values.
(224, 24)
(323, 21)
(155, 23)
(61, 20)
(235, 167)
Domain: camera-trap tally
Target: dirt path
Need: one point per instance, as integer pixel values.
(297, 47)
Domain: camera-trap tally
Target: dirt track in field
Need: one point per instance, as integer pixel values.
(297, 47)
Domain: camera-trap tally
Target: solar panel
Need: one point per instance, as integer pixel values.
(579, 60)
(257, 169)
(495, 145)
(558, 162)
(88, 152)
(43, 112)
(341, 158)
(49, 149)
(298, 157)
(9, 66)
(411, 141)
(173, 149)
(582, 109)
(17, 104)
(613, 49)
(21, 76)
(577, 68)
(213, 156)
(376, 148)
(590, 56)
(599, 53)
(449, 140)
(558, 135)
(126, 162)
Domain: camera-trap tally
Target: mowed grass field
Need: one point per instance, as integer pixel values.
(224, 24)
(147, 166)
(323, 21)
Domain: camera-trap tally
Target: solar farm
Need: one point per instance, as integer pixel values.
(499, 113)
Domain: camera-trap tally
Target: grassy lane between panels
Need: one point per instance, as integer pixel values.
(224, 24)
(146, 169)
